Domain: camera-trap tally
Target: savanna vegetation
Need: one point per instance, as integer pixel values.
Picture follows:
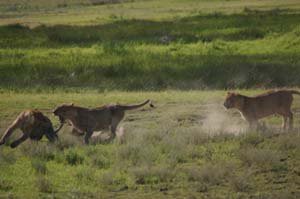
(255, 45)
(95, 52)
(187, 146)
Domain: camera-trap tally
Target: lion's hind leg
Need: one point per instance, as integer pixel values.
(113, 128)
(284, 122)
(287, 119)
(291, 120)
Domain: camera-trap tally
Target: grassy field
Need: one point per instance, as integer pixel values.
(182, 54)
(206, 44)
(186, 147)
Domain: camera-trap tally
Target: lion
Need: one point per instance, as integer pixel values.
(254, 108)
(34, 125)
(86, 121)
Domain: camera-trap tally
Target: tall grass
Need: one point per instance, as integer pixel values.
(216, 51)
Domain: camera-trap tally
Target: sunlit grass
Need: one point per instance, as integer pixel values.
(165, 148)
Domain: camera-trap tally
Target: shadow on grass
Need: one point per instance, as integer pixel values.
(123, 68)
(189, 72)
(251, 24)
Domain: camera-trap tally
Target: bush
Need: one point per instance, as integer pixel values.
(289, 142)
(39, 166)
(251, 138)
(85, 174)
(209, 173)
(261, 157)
(5, 185)
(44, 185)
(66, 141)
(73, 158)
(100, 161)
(152, 175)
(44, 151)
(174, 146)
(240, 181)
(7, 157)
(116, 178)
(137, 154)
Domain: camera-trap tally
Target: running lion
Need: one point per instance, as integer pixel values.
(86, 120)
(254, 108)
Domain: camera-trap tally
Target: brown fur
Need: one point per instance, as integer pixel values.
(85, 120)
(34, 125)
(260, 106)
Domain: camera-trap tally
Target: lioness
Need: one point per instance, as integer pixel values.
(85, 120)
(34, 125)
(260, 106)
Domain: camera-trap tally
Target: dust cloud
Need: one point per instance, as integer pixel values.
(218, 120)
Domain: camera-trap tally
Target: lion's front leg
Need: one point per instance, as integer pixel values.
(19, 141)
(87, 136)
(9, 131)
(50, 134)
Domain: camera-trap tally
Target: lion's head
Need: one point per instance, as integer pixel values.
(64, 111)
(233, 100)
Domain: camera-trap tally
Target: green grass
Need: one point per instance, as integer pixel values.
(253, 45)
(80, 12)
(54, 52)
(167, 152)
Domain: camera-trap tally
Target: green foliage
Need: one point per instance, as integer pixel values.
(251, 139)
(77, 51)
(240, 183)
(73, 157)
(216, 51)
(7, 157)
(39, 166)
(44, 151)
(5, 185)
(262, 157)
(43, 184)
(208, 173)
(152, 175)
(66, 141)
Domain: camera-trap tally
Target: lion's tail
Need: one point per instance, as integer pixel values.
(295, 92)
(131, 107)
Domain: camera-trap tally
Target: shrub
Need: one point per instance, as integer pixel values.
(73, 158)
(196, 137)
(86, 174)
(174, 146)
(39, 166)
(44, 185)
(152, 175)
(5, 185)
(209, 173)
(100, 161)
(261, 157)
(114, 178)
(240, 182)
(136, 153)
(7, 157)
(44, 151)
(66, 141)
(251, 138)
(288, 142)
